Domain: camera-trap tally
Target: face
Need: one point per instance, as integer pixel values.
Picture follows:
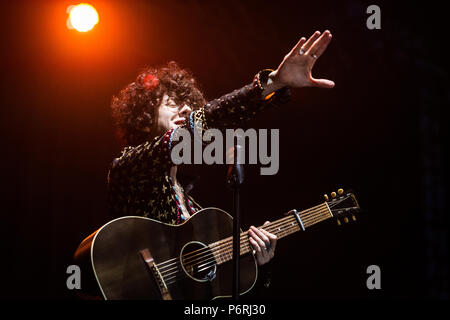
(170, 115)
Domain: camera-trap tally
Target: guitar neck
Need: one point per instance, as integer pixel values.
(293, 222)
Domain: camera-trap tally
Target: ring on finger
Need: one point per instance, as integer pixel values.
(301, 52)
(314, 56)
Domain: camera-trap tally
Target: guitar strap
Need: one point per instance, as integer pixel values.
(192, 199)
(187, 180)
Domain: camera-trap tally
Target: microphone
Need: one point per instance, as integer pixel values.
(235, 172)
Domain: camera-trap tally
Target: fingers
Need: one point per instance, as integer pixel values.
(261, 255)
(272, 238)
(297, 47)
(259, 247)
(310, 41)
(322, 83)
(296, 68)
(263, 244)
(317, 48)
(261, 239)
(304, 44)
(319, 45)
(256, 248)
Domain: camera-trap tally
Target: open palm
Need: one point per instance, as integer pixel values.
(296, 67)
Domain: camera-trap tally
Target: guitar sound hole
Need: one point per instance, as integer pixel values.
(198, 261)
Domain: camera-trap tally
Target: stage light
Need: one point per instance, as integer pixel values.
(82, 17)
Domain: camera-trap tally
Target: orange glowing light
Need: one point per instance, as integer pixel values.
(82, 17)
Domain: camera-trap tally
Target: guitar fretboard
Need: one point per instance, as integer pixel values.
(223, 249)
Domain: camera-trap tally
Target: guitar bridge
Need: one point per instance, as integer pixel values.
(150, 263)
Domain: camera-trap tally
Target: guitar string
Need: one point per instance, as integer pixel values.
(172, 279)
(217, 245)
(323, 215)
(226, 250)
(206, 265)
(219, 242)
(182, 275)
(286, 231)
(312, 219)
(331, 205)
(245, 245)
(225, 242)
(226, 239)
(218, 250)
(224, 247)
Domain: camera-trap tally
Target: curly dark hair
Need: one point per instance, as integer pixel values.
(135, 108)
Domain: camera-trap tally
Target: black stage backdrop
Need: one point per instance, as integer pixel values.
(380, 132)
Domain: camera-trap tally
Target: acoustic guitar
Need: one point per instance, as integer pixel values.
(140, 258)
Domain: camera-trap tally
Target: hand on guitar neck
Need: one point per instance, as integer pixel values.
(263, 244)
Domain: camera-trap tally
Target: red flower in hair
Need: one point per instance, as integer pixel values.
(150, 82)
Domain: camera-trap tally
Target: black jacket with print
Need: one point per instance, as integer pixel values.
(139, 181)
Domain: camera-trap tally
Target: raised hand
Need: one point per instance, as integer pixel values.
(296, 67)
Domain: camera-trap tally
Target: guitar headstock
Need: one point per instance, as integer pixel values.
(343, 205)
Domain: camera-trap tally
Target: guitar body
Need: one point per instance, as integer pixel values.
(141, 258)
(112, 255)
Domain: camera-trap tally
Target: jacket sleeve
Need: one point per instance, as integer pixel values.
(229, 111)
(152, 159)
(143, 169)
(234, 109)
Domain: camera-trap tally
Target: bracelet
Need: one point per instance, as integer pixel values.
(261, 77)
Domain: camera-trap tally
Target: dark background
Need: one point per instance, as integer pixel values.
(380, 132)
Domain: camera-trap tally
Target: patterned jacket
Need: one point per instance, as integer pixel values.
(139, 181)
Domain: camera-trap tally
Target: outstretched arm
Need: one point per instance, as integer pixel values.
(295, 72)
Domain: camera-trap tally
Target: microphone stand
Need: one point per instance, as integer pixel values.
(235, 178)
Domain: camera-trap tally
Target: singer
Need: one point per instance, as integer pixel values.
(143, 180)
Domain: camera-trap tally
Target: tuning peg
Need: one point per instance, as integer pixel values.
(346, 220)
(340, 191)
(338, 222)
(326, 197)
(353, 217)
(333, 194)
